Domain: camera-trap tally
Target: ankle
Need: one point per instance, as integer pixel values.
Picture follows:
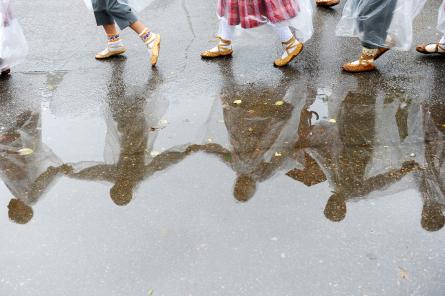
(369, 54)
(114, 38)
(146, 35)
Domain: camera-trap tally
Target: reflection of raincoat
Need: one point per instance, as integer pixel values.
(345, 149)
(27, 166)
(398, 131)
(433, 175)
(441, 18)
(13, 46)
(372, 20)
(258, 128)
(296, 14)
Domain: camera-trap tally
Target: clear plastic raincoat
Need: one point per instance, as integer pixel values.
(137, 5)
(297, 14)
(380, 23)
(441, 20)
(13, 46)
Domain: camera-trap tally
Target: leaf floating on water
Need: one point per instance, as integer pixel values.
(26, 151)
(404, 274)
(279, 103)
(150, 292)
(237, 102)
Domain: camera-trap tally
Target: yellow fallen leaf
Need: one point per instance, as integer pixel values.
(250, 129)
(279, 103)
(210, 140)
(332, 120)
(404, 274)
(278, 154)
(26, 151)
(237, 102)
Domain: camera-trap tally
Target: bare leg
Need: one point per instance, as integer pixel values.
(139, 27)
(110, 29)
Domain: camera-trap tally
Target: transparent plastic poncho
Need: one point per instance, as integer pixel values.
(380, 23)
(441, 19)
(137, 5)
(13, 46)
(27, 165)
(248, 14)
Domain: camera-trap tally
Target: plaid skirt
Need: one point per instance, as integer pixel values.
(253, 13)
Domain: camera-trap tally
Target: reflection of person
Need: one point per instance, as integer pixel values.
(438, 47)
(132, 128)
(27, 166)
(344, 149)
(109, 12)
(431, 178)
(281, 14)
(260, 122)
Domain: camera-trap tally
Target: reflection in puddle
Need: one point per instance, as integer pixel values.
(363, 144)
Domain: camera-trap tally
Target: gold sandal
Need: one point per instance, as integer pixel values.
(223, 50)
(293, 48)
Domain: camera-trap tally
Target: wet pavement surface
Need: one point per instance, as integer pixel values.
(224, 177)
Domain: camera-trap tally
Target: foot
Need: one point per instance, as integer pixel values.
(292, 49)
(364, 64)
(113, 49)
(327, 3)
(153, 43)
(431, 48)
(223, 49)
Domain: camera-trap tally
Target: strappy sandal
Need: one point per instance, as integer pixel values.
(422, 49)
(223, 49)
(328, 3)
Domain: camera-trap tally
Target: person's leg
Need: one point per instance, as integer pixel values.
(374, 20)
(125, 17)
(115, 45)
(292, 47)
(224, 47)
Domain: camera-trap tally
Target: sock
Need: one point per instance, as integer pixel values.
(283, 32)
(145, 35)
(114, 41)
(226, 31)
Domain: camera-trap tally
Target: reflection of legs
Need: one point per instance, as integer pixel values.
(224, 47)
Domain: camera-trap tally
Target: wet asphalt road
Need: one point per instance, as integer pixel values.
(218, 177)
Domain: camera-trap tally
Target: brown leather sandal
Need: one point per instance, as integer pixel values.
(327, 3)
(422, 49)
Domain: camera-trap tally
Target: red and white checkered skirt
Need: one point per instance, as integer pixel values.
(253, 13)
